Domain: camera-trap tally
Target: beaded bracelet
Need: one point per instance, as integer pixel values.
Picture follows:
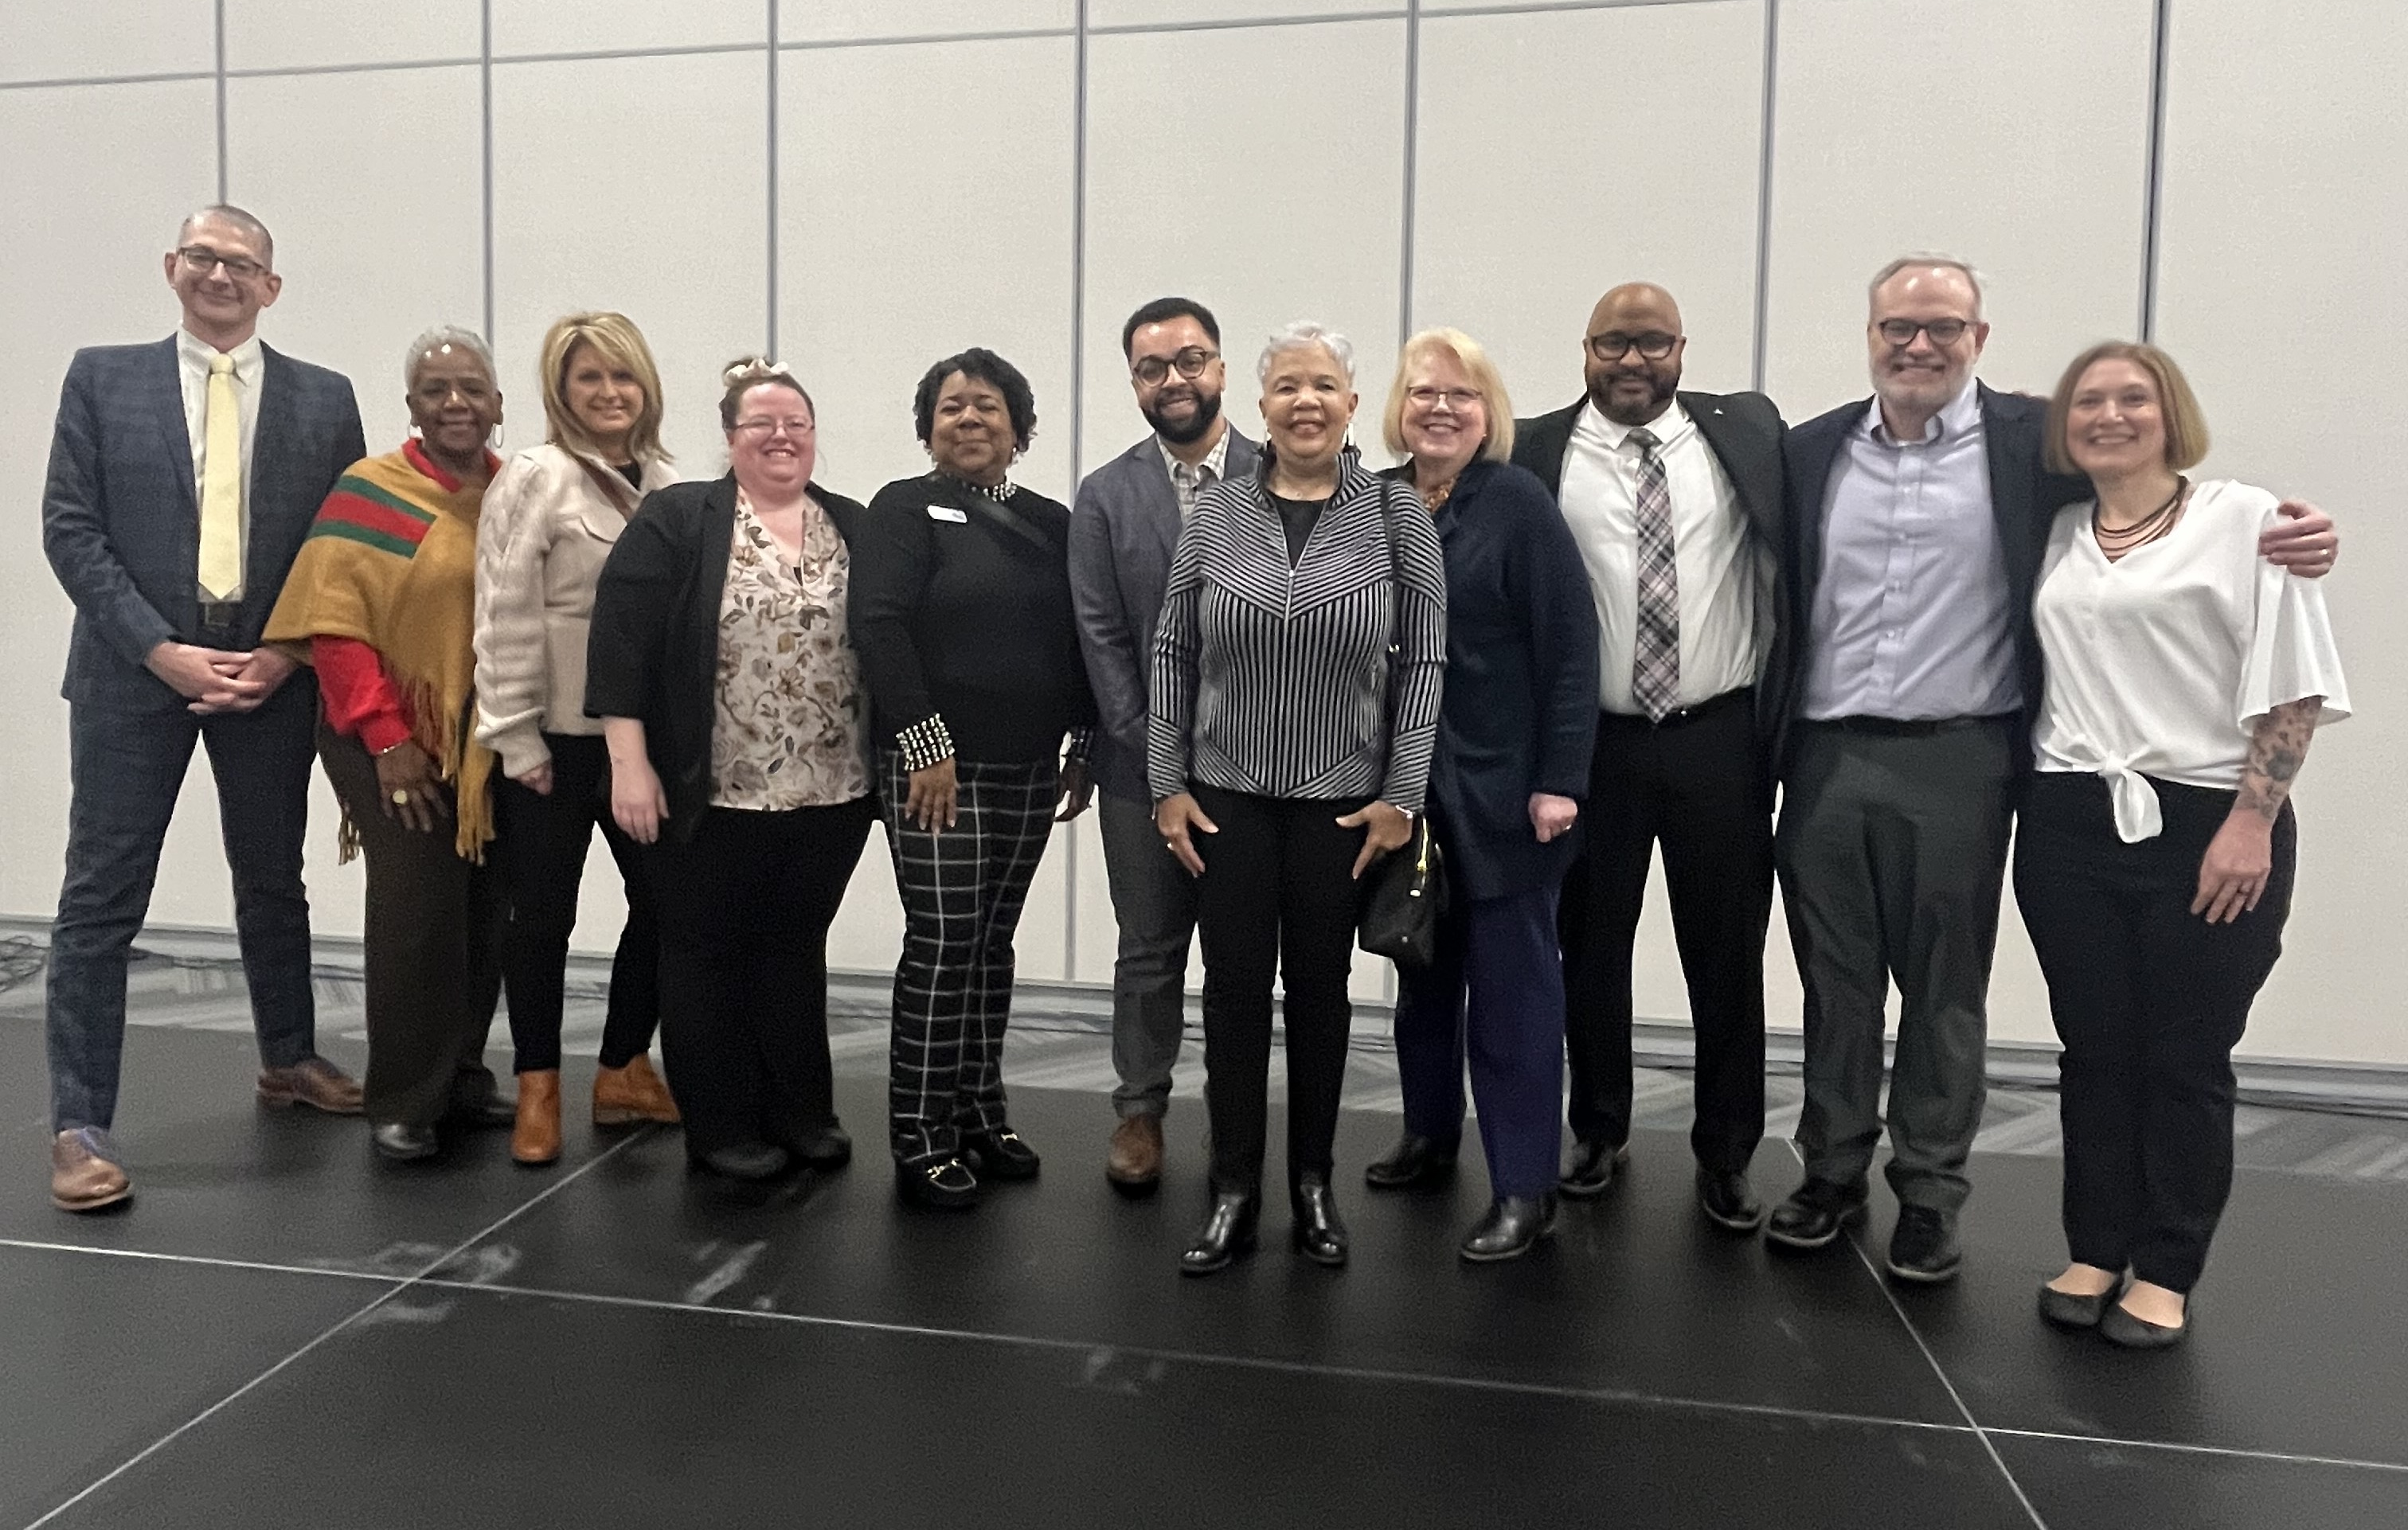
(926, 743)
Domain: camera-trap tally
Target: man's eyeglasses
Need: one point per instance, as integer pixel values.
(1901, 332)
(763, 429)
(1613, 345)
(1190, 363)
(1455, 399)
(203, 260)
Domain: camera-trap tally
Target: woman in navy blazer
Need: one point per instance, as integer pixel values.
(1515, 731)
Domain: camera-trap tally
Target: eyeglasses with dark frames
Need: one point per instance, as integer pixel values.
(1613, 345)
(1190, 363)
(1901, 332)
(203, 260)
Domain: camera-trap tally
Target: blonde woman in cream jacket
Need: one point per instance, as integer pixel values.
(551, 519)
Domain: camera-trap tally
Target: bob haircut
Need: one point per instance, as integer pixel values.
(1497, 445)
(615, 338)
(743, 374)
(979, 364)
(2186, 422)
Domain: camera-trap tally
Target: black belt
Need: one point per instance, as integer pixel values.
(1728, 701)
(1896, 727)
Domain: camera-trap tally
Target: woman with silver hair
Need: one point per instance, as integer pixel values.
(1295, 703)
(380, 601)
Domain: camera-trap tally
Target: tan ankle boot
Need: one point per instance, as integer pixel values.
(535, 1138)
(631, 1095)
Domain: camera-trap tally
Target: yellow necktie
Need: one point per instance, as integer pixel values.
(221, 484)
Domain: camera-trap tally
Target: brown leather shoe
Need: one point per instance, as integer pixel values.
(536, 1137)
(630, 1095)
(312, 1081)
(85, 1171)
(1135, 1163)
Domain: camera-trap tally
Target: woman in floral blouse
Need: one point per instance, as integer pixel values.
(720, 666)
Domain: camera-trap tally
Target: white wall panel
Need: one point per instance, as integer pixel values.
(310, 33)
(1112, 13)
(107, 37)
(2013, 133)
(808, 21)
(2286, 229)
(578, 26)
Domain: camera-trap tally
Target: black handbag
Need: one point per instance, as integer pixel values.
(1407, 885)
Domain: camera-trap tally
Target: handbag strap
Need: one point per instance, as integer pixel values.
(1396, 628)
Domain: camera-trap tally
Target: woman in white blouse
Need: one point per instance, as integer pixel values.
(550, 520)
(2154, 859)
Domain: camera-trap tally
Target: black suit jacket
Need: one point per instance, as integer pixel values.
(652, 651)
(2025, 497)
(1745, 433)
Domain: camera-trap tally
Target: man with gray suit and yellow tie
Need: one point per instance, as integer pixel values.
(1123, 528)
(184, 474)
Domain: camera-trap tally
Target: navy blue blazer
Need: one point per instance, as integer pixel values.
(2025, 497)
(1519, 714)
(122, 516)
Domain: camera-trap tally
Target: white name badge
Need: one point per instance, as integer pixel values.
(946, 512)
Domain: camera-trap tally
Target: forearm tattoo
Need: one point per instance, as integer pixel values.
(2277, 749)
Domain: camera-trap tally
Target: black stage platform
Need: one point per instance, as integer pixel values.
(281, 1332)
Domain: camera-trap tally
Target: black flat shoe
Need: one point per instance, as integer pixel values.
(1003, 1154)
(1228, 1233)
(828, 1147)
(1592, 1169)
(941, 1184)
(486, 1113)
(404, 1143)
(2064, 1309)
(1815, 1213)
(1922, 1246)
(746, 1163)
(1414, 1162)
(1511, 1228)
(1319, 1236)
(1729, 1201)
(2119, 1327)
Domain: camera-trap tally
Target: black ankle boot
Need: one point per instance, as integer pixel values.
(1320, 1236)
(1228, 1233)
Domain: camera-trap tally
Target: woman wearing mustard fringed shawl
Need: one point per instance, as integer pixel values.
(383, 596)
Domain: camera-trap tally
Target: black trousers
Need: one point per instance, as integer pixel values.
(1277, 899)
(1696, 785)
(540, 851)
(2149, 1000)
(433, 934)
(745, 907)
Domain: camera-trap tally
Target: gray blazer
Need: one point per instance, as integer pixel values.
(121, 518)
(1124, 526)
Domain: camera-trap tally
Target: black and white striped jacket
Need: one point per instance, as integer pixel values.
(1278, 682)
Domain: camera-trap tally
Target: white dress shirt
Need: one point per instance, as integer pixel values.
(193, 366)
(1712, 554)
(1188, 482)
(2162, 664)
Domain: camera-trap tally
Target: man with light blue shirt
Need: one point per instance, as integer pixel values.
(1918, 519)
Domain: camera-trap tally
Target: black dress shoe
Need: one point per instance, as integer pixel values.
(1511, 1228)
(942, 1184)
(1593, 1168)
(1923, 1247)
(1320, 1236)
(1001, 1154)
(1413, 1162)
(485, 1111)
(1228, 1233)
(1728, 1201)
(827, 1148)
(404, 1143)
(746, 1163)
(2065, 1309)
(2119, 1327)
(1814, 1214)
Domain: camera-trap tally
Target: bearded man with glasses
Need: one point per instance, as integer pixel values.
(1124, 525)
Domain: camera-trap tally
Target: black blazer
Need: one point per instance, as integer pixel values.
(2025, 497)
(652, 649)
(1745, 433)
(1519, 711)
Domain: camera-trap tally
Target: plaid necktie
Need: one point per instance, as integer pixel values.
(1656, 648)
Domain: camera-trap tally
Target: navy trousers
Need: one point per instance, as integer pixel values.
(1495, 997)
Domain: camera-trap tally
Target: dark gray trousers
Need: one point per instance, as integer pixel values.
(1893, 851)
(1154, 902)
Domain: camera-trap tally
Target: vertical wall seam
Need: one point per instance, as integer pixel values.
(2153, 194)
(1763, 338)
(225, 191)
(770, 329)
(1078, 416)
(485, 92)
(1413, 173)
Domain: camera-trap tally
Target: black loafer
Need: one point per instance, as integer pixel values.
(1922, 1246)
(1511, 1228)
(2064, 1309)
(746, 1162)
(486, 1112)
(1592, 1169)
(2119, 1327)
(1228, 1233)
(1815, 1213)
(1320, 1236)
(1728, 1201)
(1001, 1154)
(404, 1143)
(941, 1184)
(1413, 1163)
(828, 1147)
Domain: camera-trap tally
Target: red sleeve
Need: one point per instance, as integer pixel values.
(360, 702)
